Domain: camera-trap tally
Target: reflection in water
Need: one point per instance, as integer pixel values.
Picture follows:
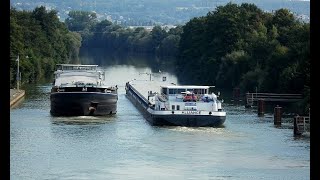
(125, 146)
(106, 59)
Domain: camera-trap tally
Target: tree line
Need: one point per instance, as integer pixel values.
(115, 38)
(41, 41)
(242, 46)
(232, 46)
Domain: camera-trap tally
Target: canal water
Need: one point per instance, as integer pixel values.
(125, 146)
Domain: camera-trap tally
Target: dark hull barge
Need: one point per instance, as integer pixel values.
(78, 90)
(83, 104)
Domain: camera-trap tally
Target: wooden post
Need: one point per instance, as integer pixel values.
(236, 94)
(260, 107)
(296, 130)
(277, 115)
(248, 104)
(18, 74)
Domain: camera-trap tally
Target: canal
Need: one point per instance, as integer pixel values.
(125, 146)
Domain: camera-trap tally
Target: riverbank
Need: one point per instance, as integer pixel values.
(16, 96)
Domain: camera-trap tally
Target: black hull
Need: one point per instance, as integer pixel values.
(186, 120)
(83, 103)
(173, 119)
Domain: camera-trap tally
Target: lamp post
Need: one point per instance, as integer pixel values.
(18, 73)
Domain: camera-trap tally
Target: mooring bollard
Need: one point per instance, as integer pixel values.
(236, 94)
(249, 100)
(260, 107)
(277, 115)
(296, 130)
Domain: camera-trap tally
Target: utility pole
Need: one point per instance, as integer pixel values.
(18, 73)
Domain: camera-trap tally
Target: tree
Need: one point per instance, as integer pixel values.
(242, 45)
(157, 35)
(169, 45)
(80, 20)
(41, 41)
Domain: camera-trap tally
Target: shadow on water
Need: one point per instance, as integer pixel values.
(81, 127)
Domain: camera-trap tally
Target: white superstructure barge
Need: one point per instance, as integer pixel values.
(174, 105)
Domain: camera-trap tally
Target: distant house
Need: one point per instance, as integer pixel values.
(149, 28)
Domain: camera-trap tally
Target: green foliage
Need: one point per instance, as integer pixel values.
(114, 38)
(169, 45)
(41, 41)
(157, 35)
(80, 20)
(252, 79)
(232, 46)
(233, 65)
(191, 48)
(73, 45)
(242, 46)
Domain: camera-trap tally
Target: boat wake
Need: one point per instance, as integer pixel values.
(83, 120)
(219, 130)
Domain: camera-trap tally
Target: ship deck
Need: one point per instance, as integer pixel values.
(143, 86)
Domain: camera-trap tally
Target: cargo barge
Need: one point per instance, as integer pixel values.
(79, 90)
(174, 105)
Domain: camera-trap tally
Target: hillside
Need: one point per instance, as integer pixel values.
(151, 12)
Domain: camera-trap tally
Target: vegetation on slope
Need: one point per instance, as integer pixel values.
(41, 41)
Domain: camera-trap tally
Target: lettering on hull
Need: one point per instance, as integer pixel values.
(190, 112)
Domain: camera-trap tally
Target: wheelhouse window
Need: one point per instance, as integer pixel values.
(173, 107)
(203, 91)
(179, 91)
(178, 107)
(164, 91)
(172, 91)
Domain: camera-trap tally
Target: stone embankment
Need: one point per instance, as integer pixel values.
(15, 96)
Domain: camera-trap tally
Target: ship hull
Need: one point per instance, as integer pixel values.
(186, 120)
(175, 118)
(83, 103)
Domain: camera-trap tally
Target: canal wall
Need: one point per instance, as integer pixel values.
(16, 96)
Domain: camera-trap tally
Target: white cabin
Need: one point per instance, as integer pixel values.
(185, 98)
(78, 75)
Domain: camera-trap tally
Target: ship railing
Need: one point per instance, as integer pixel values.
(162, 97)
(251, 98)
(302, 123)
(166, 106)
